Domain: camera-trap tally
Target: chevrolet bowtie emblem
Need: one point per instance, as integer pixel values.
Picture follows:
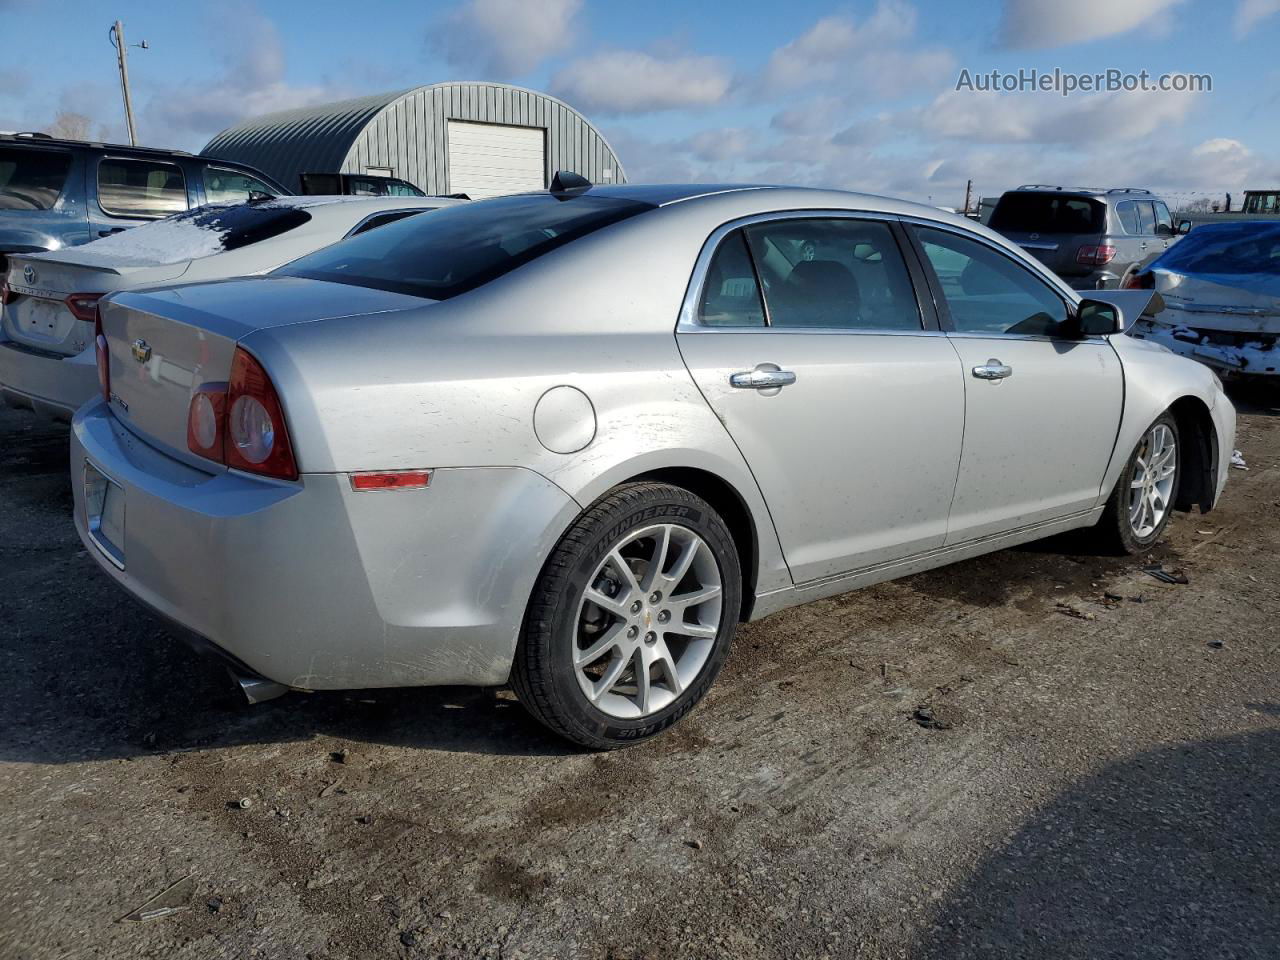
(141, 351)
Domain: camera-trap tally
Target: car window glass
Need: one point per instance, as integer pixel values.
(364, 187)
(459, 248)
(397, 188)
(1029, 211)
(840, 273)
(141, 188)
(382, 219)
(231, 186)
(1146, 217)
(730, 295)
(987, 292)
(32, 179)
(1163, 217)
(1128, 214)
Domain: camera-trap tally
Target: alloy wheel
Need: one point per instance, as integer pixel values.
(647, 620)
(1155, 467)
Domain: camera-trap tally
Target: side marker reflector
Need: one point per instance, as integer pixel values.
(391, 480)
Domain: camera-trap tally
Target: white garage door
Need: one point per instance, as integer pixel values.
(488, 159)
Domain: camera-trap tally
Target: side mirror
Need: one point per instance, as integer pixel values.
(1097, 318)
(1184, 226)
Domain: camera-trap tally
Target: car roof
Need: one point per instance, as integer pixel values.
(1117, 192)
(43, 141)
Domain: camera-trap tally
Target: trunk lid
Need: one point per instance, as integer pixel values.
(38, 317)
(1236, 303)
(165, 343)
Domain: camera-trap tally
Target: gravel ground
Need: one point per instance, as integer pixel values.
(1094, 777)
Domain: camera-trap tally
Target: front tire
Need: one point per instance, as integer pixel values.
(1142, 501)
(631, 618)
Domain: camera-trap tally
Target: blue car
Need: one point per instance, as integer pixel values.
(1221, 290)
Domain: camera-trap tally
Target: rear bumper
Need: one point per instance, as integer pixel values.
(51, 385)
(317, 587)
(1228, 360)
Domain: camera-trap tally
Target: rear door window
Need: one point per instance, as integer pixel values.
(1146, 217)
(833, 273)
(223, 185)
(1128, 214)
(1027, 211)
(32, 179)
(730, 294)
(141, 188)
(459, 248)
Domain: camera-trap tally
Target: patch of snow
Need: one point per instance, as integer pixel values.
(164, 242)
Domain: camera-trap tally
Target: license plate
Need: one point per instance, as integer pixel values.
(41, 317)
(104, 513)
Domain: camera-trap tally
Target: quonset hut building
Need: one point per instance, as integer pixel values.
(481, 139)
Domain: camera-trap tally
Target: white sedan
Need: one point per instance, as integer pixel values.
(49, 300)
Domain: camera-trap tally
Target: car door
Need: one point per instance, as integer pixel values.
(806, 336)
(1041, 408)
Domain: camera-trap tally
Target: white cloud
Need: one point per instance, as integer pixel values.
(1036, 118)
(630, 81)
(505, 38)
(251, 83)
(1042, 24)
(839, 52)
(1252, 12)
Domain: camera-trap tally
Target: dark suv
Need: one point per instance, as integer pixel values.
(59, 193)
(1092, 238)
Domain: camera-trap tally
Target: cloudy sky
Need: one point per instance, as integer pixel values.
(858, 95)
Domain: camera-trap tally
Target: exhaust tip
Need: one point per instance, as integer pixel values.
(258, 689)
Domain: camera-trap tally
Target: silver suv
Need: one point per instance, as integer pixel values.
(1092, 238)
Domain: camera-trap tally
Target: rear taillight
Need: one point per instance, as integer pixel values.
(1139, 281)
(103, 358)
(1095, 255)
(241, 423)
(7, 294)
(83, 306)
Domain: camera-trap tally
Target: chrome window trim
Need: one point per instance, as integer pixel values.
(688, 321)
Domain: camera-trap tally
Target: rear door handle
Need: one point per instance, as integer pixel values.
(993, 369)
(763, 377)
(107, 233)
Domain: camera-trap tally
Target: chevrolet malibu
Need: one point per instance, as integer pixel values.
(569, 440)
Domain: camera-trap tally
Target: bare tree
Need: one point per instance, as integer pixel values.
(1199, 205)
(70, 126)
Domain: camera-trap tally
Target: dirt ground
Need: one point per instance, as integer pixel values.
(1106, 784)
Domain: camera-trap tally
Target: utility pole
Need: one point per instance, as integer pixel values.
(968, 192)
(122, 58)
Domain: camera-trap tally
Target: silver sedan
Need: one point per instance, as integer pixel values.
(568, 441)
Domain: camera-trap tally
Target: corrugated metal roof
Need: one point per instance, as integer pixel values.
(405, 130)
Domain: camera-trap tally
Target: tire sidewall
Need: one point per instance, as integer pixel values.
(688, 512)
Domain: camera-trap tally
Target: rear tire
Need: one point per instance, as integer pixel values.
(664, 568)
(1142, 501)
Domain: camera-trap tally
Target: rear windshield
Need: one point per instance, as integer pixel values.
(463, 247)
(31, 179)
(1029, 212)
(1236, 248)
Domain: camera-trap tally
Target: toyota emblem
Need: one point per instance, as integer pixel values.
(29, 274)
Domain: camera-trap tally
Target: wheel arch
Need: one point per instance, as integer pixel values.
(733, 509)
(1198, 454)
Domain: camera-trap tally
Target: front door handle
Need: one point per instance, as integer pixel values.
(107, 233)
(763, 377)
(993, 369)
